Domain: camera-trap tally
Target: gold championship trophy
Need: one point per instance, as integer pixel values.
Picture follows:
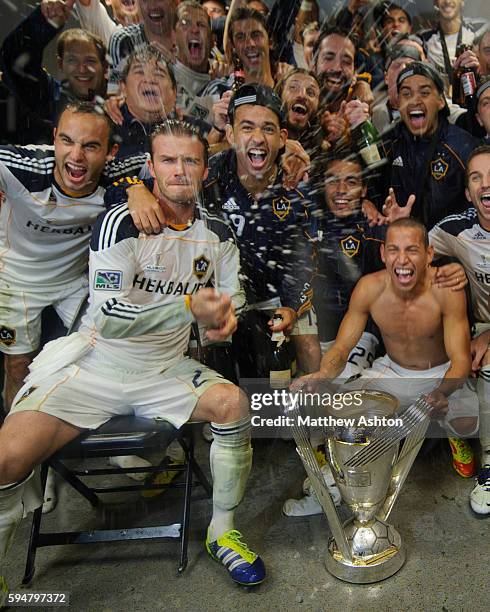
(369, 465)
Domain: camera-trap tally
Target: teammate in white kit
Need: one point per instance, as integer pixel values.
(53, 196)
(128, 356)
(467, 237)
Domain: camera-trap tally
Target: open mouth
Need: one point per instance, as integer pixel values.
(156, 16)
(195, 48)
(299, 109)
(485, 199)
(404, 275)
(257, 158)
(253, 57)
(334, 81)
(341, 203)
(75, 172)
(416, 119)
(150, 93)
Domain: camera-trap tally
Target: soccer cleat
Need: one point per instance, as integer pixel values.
(309, 504)
(480, 496)
(464, 461)
(244, 566)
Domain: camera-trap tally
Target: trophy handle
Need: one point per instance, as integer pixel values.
(316, 479)
(402, 467)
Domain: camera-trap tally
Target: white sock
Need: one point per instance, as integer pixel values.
(483, 390)
(231, 460)
(11, 512)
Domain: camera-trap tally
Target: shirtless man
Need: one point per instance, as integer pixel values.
(426, 336)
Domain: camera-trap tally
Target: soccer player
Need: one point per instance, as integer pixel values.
(52, 197)
(128, 355)
(426, 336)
(467, 237)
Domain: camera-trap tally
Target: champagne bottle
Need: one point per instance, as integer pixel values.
(279, 359)
(238, 74)
(367, 141)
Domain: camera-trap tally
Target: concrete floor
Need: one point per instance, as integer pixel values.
(446, 568)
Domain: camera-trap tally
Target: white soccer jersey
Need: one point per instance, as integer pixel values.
(45, 234)
(137, 317)
(461, 236)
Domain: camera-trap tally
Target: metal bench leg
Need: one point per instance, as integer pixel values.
(75, 482)
(186, 517)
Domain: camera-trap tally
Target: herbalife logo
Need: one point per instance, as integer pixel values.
(108, 280)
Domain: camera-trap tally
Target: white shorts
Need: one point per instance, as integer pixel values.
(90, 392)
(360, 358)
(306, 324)
(408, 385)
(20, 313)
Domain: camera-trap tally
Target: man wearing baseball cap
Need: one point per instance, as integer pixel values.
(426, 154)
(245, 185)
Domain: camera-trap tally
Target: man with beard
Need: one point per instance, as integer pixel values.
(81, 60)
(157, 26)
(300, 94)
(426, 155)
(334, 55)
(128, 356)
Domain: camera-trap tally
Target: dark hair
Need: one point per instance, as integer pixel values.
(146, 53)
(411, 223)
(330, 30)
(83, 107)
(279, 88)
(76, 34)
(483, 150)
(174, 127)
(382, 10)
(241, 14)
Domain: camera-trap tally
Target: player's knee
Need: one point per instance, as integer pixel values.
(464, 426)
(14, 464)
(230, 405)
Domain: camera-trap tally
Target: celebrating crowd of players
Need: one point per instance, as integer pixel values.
(206, 167)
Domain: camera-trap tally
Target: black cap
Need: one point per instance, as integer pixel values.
(402, 51)
(258, 95)
(482, 87)
(425, 70)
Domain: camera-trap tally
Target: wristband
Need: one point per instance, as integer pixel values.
(219, 130)
(187, 302)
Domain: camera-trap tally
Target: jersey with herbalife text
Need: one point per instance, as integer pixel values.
(44, 233)
(462, 236)
(137, 316)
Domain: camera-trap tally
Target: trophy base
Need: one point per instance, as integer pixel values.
(377, 553)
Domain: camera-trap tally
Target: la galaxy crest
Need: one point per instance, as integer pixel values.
(350, 245)
(200, 266)
(439, 168)
(281, 207)
(8, 335)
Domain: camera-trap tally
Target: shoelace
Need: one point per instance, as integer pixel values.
(484, 477)
(236, 536)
